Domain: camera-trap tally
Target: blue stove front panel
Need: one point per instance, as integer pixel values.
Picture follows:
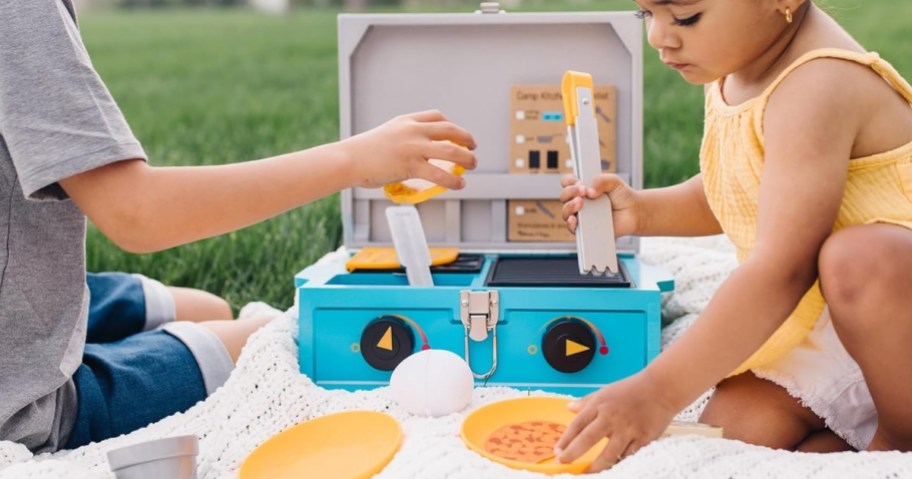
(355, 327)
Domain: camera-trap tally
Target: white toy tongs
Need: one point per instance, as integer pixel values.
(595, 242)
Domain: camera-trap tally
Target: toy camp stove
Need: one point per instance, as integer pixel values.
(507, 293)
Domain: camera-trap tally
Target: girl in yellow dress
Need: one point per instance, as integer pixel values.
(806, 165)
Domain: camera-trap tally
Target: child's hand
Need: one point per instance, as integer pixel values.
(623, 201)
(627, 412)
(400, 149)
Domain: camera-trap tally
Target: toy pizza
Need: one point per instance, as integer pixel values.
(530, 442)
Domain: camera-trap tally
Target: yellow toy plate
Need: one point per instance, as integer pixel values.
(346, 445)
(481, 423)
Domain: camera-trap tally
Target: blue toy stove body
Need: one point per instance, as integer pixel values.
(592, 335)
(557, 331)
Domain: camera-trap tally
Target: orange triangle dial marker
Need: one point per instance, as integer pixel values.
(574, 347)
(386, 342)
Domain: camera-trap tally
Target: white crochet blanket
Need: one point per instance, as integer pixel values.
(266, 394)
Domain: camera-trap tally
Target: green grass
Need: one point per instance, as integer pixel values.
(220, 86)
(202, 87)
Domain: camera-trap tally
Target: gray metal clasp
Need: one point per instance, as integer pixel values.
(479, 312)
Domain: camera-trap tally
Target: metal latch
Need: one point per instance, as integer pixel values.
(479, 312)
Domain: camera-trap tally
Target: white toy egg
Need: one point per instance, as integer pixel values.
(434, 382)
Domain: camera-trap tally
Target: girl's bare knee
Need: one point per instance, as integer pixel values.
(845, 263)
(862, 271)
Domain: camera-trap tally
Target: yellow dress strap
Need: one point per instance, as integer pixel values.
(889, 73)
(870, 59)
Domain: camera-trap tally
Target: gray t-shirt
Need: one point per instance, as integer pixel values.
(57, 119)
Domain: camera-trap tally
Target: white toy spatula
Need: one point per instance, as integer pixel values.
(411, 244)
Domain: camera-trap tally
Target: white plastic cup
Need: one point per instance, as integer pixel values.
(170, 457)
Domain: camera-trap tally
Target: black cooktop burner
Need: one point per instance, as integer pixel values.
(550, 271)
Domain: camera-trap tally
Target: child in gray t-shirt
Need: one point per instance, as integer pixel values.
(66, 153)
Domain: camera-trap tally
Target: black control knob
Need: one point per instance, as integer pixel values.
(568, 345)
(386, 342)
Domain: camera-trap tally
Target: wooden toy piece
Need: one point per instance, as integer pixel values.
(682, 428)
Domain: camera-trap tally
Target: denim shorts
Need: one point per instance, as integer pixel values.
(139, 366)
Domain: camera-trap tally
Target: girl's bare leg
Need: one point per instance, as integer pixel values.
(824, 441)
(760, 412)
(866, 278)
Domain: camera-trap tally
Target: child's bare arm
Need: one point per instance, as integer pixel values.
(144, 209)
(679, 210)
(811, 124)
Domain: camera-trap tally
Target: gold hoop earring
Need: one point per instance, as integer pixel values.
(788, 15)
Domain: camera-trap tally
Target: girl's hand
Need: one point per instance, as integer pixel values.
(629, 413)
(400, 149)
(623, 201)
